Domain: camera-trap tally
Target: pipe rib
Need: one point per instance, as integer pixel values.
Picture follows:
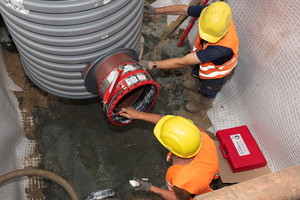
(75, 67)
(71, 30)
(79, 58)
(63, 6)
(71, 40)
(82, 49)
(56, 39)
(69, 18)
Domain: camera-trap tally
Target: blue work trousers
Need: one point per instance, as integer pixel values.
(210, 87)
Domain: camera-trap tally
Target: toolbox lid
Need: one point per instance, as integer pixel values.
(228, 176)
(240, 149)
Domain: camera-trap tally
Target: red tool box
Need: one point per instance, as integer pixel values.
(240, 149)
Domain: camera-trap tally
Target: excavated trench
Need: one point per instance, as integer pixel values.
(76, 140)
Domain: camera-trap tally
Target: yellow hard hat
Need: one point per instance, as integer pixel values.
(214, 21)
(179, 135)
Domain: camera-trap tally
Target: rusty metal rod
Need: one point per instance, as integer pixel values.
(280, 185)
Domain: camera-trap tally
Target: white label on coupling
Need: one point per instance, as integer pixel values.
(17, 8)
(106, 2)
(111, 76)
(141, 77)
(131, 80)
(239, 144)
(114, 82)
(128, 68)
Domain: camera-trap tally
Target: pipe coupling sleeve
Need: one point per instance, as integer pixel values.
(135, 88)
(121, 82)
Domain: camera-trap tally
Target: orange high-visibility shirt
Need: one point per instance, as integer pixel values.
(196, 176)
(209, 70)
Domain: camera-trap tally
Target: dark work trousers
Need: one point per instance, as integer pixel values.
(210, 87)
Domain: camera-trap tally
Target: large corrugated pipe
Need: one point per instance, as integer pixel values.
(57, 40)
(280, 185)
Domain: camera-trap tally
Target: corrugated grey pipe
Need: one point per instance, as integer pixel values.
(57, 40)
(280, 185)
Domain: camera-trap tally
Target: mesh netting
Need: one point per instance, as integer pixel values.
(14, 147)
(264, 92)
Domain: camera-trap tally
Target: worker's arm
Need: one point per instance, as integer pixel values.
(177, 194)
(172, 63)
(171, 195)
(173, 10)
(132, 113)
(167, 10)
(166, 194)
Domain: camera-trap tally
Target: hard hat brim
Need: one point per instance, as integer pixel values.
(209, 38)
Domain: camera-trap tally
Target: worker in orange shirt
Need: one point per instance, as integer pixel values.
(214, 55)
(193, 155)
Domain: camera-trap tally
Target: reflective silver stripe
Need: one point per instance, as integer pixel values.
(216, 73)
(195, 49)
(207, 68)
(170, 187)
(220, 68)
(213, 67)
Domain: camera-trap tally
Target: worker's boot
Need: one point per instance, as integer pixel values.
(192, 85)
(203, 103)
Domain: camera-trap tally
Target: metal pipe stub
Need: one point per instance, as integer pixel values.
(121, 82)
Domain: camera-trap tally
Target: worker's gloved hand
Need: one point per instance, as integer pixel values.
(143, 185)
(144, 64)
(149, 9)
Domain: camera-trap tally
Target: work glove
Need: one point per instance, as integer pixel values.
(144, 64)
(143, 185)
(149, 9)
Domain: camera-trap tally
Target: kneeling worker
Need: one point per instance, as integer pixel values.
(193, 155)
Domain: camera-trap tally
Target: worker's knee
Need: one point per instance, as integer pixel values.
(211, 87)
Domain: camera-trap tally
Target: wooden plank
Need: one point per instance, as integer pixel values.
(175, 24)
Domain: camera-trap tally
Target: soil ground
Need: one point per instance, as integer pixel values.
(76, 140)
